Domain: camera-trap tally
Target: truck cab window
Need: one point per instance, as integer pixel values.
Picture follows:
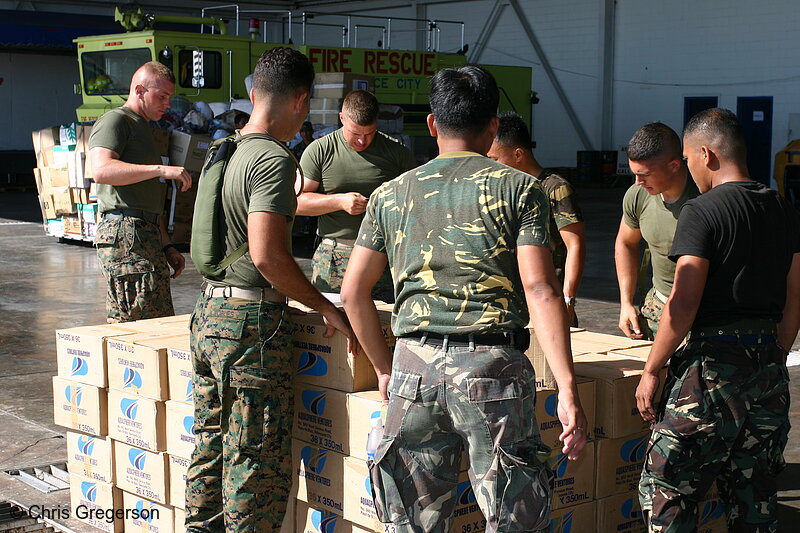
(110, 71)
(199, 69)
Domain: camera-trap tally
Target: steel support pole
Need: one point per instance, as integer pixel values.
(606, 59)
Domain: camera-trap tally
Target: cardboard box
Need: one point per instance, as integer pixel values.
(147, 516)
(81, 352)
(326, 117)
(91, 502)
(619, 464)
(362, 407)
(141, 472)
(89, 212)
(44, 141)
(180, 519)
(137, 420)
(80, 196)
(338, 84)
(73, 225)
(620, 512)
(326, 362)
(547, 415)
(62, 201)
(62, 153)
(574, 480)
(616, 379)
(642, 352)
(188, 151)
(578, 519)
(161, 137)
(325, 104)
(359, 507)
(179, 369)
(591, 342)
(311, 520)
(76, 165)
(319, 474)
(178, 467)
(321, 417)
(80, 407)
(54, 176)
(137, 364)
(711, 517)
(90, 456)
(180, 429)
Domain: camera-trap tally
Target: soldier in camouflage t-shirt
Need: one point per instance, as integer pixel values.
(467, 243)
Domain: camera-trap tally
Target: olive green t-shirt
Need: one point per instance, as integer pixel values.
(130, 136)
(260, 177)
(338, 168)
(657, 221)
(450, 230)
(564, 211)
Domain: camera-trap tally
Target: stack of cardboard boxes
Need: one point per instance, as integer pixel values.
(330, 88)
(67, 195)
(125, 393)
(129, 433)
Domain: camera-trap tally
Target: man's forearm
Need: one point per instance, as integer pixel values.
(366, 324)
(548, 315)
(116, 172)
(675, 323)
(626, 258)
(283, 273)
(314, 204)
(573, 268)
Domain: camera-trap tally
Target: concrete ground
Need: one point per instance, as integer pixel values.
(46, 284)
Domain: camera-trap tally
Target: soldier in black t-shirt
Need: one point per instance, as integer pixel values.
(724, 410)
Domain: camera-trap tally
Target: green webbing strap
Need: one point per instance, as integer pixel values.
(234, 255)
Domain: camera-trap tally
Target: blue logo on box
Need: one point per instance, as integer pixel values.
(311, 364)
(86, 445)
(189, 389)
(188, 424)
(314, 458)
(129, 408)
(711, 511)
(74, 394)
(630, 509)
(137, 458)
(633, 450)
(145, 514)
(562, 462)
(465, 493)
(551, 404)
(314, 401)
(79, 366)
(368, 486)
(131, 378)
(89, 490)
(323, 521)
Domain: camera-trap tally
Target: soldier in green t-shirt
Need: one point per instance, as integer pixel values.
(240, 474)
(650, 211)
(133, 247)
(343, 168)
(467, 242)
(512, 147)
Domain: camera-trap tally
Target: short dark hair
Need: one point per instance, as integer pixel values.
(158, 70)
(283, 71)
(653, 140)
(361, 107)
(719, 128)
(513, 132)
(463, 99)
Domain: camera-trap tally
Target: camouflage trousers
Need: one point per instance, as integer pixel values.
(240, 472)
(137, 274)
(441, 401)
(651, 310)
(329, 264)
(723, 417)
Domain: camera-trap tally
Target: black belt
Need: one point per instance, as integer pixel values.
(519, 339)
(134, 213)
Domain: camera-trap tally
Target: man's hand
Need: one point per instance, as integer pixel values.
(570, 314)
(353, 203)
(573, 420)
(176, 260)
(336, 320)
(179, 174)
(383, 386)
(645, 394)
(629, 322)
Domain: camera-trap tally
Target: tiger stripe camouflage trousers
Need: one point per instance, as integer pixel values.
(240, 472)
(441, 400)
(723, 417)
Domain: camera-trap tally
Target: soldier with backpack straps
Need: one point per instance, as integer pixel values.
(240, 473)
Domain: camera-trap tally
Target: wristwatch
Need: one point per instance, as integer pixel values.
(570, 301)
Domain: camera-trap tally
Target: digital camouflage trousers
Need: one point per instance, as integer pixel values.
(137, 274)
(329, 264)
(240, 472)
(723, 417)
(441, 401)
(652, 309)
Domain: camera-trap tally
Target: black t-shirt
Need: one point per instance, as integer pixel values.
(749, 234)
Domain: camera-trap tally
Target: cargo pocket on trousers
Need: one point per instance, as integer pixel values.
(386, 473)
(225, 327)
(524, 487)
(246, 422)
(106, 233)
